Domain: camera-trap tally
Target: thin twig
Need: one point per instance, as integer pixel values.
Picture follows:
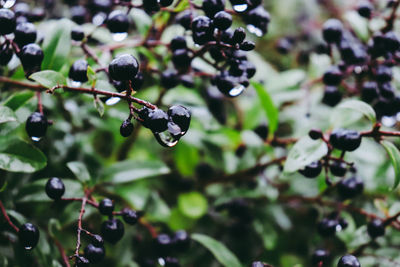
(8, 220)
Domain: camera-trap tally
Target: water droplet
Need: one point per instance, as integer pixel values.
(119, 36)
(166, 139)
(339, 228)
(75, 84)
(161, 261)
(35, 138)
(240, 7)
(8, 3)
(254, 30)
(112, 101)
(237, 90)
(388, 121)
(99, 19)
(27, 248)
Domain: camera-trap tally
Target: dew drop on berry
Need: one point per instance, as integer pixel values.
(166, 139)
(112, 101)
(75, 84)
(255, 30)
(240, 7)
(27, 248)
(35, 138)
(7, 3)
(237, 90)
(119, 36)
(161, 261)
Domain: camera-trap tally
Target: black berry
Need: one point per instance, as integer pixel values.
(55, 188)
(347, 140)
(112, 230)
(165, 3)
(157, 120)
(350, 187)
(332, 96)
(180, 116)
(28, 235)
(332, 31)
(106, 207)
(338, 168)
(117, 21)
(315, 134)
(123, 67)
(348, 261)
(163, 244)
(7, 21)
(320, 255)
(78, 71)
(97, 240)
(130, 216)
(178, 42)
(376, 228)
(81, 261)
(94, 254)
(36, 125)
(169, 79)
(6, 54)
(369, 91)
(181, 240)
(222, 20)
(211, 7)
(25, 33)
(77, 34)
(126, 128)
(78, 14)
(333, 76)
(327, 227)
(239, 35)
(364, 9)
(247, 45)
(312, 170)
(31, 56)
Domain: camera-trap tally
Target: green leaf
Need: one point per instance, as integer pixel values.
(186, 158)
(19, 156)
(91, 74)
(358, 24)
(79, 170)
(49, 78)
(7, 115)
(193, 204)
(303, 153)
(394, 155)
(128, 171)
(340, 116)
(98, 104)
(219, 250)
(181, 6)
(57, 45)
(17, 100)
(270, 110)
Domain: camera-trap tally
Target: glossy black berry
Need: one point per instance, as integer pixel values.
(185, 19)
(36, 125)
(151, 6)
(106, 207)
(102, 5)
(178, 42)
(78, 14)
(165, 3)
(81, 261)
(36, 14)
(222, 20)
(180, 116)
(369, 91)
(247, 45)
(144, 116)
(112, 230)
(383, 74)
(332, 76)
(315, 134)
(338, 168)
(21, 9)
(157, 120)
(7, 21)
(171, 262)
(28, 236)
(376, 228)
(387, 90)
(6, 54)
(332, 31)
(163, 244)
(312, 170)
(327, 227)
(350, 187)
(77, 34)
(130, 216)
(284, 46)
(55, 188)
(169, 79)
(320, 255)
(117, 21)
(123, 67)
(31, 56)
(94, 254)
(211, 7)
(126, 128)
(332, 96)
(182, 59)
(258, 20)
(347, 140)
(257, 264)
(239, 35)
(348, 261)
(97, 240)
(25, 33)
(78, 71)
(202, 30)
(364, 9)
(137, 81)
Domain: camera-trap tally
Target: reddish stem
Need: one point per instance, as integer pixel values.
(62, 252)
(40, 105)
(8, 220)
